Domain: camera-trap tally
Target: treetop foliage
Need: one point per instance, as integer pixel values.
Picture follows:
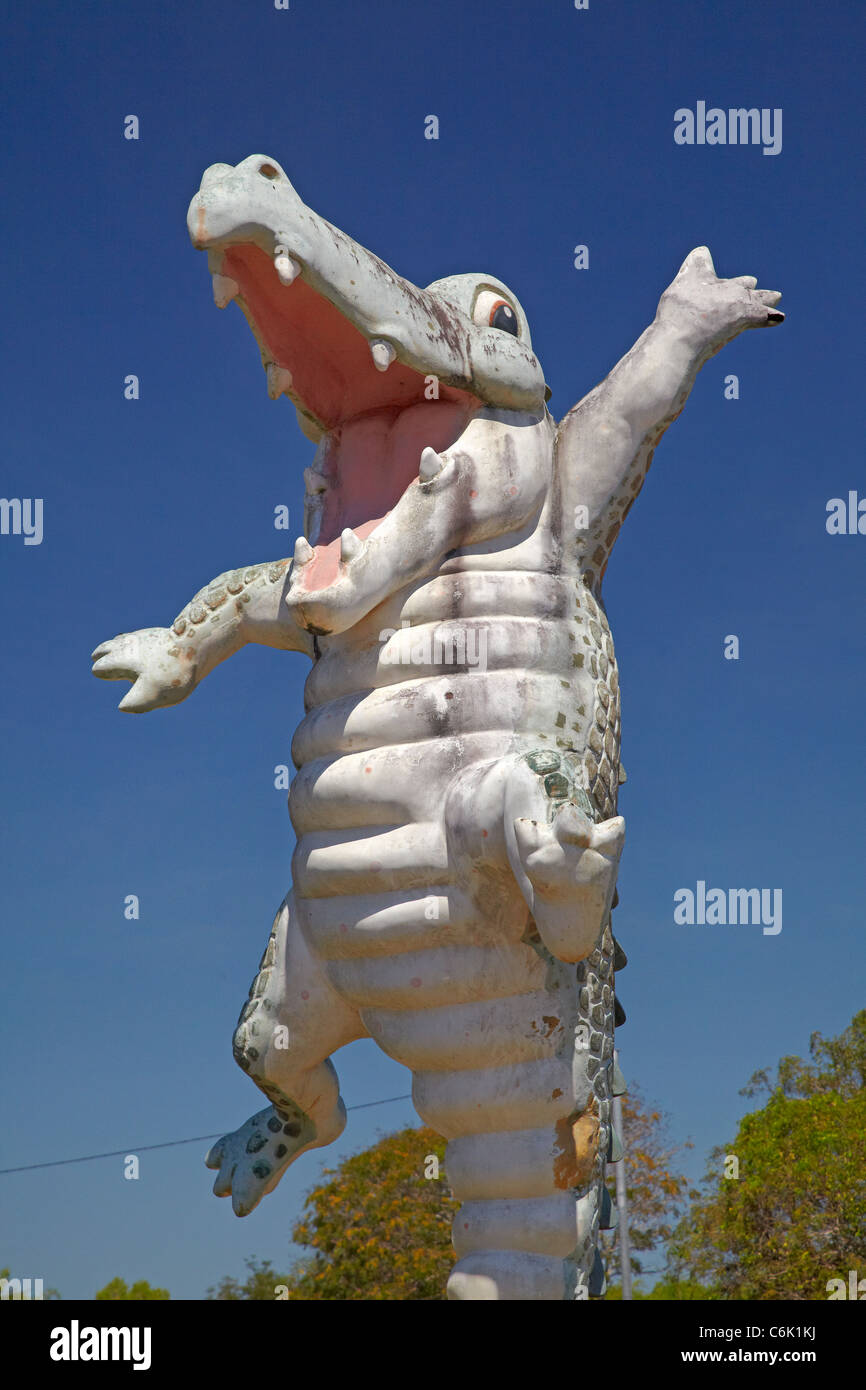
(118, 1289)
(793, 1215)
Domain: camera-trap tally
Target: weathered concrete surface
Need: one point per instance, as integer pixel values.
(458, 766)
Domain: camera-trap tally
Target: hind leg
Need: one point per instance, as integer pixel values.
(291, 1023)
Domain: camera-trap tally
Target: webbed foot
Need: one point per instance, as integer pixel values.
(251, 1160)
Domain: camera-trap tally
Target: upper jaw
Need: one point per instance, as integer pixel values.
(339, 331)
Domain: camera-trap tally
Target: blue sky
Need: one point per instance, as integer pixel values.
(556, 129)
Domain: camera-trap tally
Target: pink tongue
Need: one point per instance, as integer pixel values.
(371, 461)
(323, 569)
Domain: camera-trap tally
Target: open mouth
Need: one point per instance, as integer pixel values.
(385, 376)
(380, 431)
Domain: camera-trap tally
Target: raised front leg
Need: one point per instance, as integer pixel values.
(166, 664)
(605, 444)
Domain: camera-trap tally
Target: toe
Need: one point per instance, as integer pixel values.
(214, 1155)
(573, 827)
(223, 1185)
(249, 1189)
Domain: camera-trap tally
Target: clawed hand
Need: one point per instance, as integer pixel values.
(161, 669)
(723, 308)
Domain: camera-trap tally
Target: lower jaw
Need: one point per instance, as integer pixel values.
(324, 568)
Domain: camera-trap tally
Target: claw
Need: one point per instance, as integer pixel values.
(102, 664)
(138, 698)
(699, 259)
(213, 1157)
(105, 647)
(223, 1185)
(573, 827)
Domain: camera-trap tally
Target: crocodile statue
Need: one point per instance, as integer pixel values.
(455, 800)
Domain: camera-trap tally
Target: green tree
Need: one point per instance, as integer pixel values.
(118, 1290)
(794, 1216)
(666, 1290)
(379, 1229)
(838, 1064)
(670, 1290)
(261, 1283)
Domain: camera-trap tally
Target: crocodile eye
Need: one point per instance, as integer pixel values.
(503, 316)
(492, 311)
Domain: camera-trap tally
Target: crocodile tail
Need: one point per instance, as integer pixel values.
(515, 1241)
(529, 1138)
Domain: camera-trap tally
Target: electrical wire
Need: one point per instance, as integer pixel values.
(168, 1144)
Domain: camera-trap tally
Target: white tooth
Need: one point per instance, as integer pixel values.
(350, 545)
(315, 482)
(285, 265)
(225, 289)
(383, 354)
(303, 551)
(279, 380)
(431, 464)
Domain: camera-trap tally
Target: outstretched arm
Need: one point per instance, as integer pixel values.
(166, 664)
(606, 442)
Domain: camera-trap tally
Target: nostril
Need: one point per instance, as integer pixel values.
(268, 171)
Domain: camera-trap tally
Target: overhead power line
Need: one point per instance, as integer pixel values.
(168, 1144)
